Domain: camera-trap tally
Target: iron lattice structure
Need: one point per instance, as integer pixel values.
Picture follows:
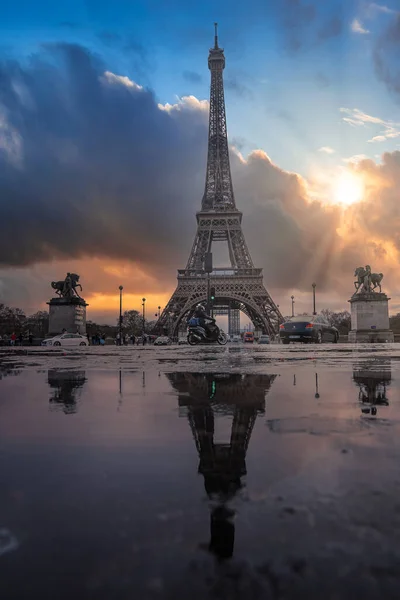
(240, 286)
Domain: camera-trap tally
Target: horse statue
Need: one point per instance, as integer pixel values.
(68, 287)
(369, 281)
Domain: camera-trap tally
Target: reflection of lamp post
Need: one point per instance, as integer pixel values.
(120, 313)
(314, 285)
(316, 385)
(143, 301)
(292, 297)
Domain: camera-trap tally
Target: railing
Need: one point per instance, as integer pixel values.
(220, 273)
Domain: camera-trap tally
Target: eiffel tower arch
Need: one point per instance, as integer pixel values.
(239, 286)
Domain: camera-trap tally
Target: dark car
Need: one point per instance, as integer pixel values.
(308, 328)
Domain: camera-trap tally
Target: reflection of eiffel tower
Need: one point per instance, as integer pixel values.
(67, 386)
(222, 465)
(372, 380)
(240, 285)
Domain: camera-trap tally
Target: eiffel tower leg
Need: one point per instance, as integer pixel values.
(201, 245)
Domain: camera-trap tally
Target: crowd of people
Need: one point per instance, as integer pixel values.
(16, 340)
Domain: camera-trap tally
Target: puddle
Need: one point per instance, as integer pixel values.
(126, 478)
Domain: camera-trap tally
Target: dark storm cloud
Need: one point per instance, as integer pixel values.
(304, 24)
(235, 84)
(192, 76)
(90, 164)
(331, 28)
(386, 56)
(110, 38)
(322, 80)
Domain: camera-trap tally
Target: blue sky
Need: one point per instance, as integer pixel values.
(280, 97)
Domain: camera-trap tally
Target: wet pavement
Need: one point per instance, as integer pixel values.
(178, 472)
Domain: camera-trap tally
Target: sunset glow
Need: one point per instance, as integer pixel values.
(348, 189)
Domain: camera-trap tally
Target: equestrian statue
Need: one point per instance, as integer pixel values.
(367, 282)
(67, 288)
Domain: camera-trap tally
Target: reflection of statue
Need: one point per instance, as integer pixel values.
(372, 380)
(67, 386)
(222, 465)
(366, 280)
(67, 288)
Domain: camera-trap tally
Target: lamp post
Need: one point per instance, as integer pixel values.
(159, 311)
(314, 285)
(143, 305)
(316, 386)
(120, 313)
(292, 297)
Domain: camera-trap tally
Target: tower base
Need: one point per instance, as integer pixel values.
(68, 314)
(370, 318)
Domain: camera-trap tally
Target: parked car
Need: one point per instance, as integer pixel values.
(66, 339)
(236, 338)
(162, 340)
(248, 337)
(308, 328)
(264, 339)
(182, 340)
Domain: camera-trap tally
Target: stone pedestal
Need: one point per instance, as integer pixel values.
(370, 318)
(67, 313)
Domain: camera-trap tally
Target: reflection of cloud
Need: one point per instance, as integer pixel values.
(356, 27)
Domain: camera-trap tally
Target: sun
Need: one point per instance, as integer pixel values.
(348, 189)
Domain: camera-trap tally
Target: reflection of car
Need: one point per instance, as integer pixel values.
(66, 339)
(264, 339)
(308, 328)
(248, 337)
(163, 340)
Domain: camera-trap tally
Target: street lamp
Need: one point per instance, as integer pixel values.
(314, 285)
(120, 313)
(292, 297)
(143, 301)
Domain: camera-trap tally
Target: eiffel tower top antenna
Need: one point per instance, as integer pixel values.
(216, 36)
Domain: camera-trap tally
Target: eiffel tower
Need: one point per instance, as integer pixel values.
(240, 286)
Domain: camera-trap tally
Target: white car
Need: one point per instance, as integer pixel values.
(163, 340)
(67, 339)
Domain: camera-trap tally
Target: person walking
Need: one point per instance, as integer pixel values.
(13, 338)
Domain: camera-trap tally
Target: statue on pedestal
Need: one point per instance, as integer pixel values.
(367, 281)
(369, 309)
(68, 311)
(67, 288)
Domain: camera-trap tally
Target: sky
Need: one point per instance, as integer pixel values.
(103, 139)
